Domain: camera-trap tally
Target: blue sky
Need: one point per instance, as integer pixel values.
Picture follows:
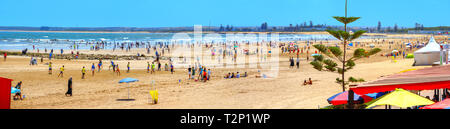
(170, 13)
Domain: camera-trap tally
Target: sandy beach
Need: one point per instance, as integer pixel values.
(44, 91)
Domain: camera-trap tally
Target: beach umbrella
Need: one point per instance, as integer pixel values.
(376, 95)
(394, 51)
(400, 98)
(444, 104)
(342, 98)
(14, 90)
(128, 80)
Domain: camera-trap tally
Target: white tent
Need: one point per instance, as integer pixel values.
(428, 54)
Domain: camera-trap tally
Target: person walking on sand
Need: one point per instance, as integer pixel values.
(50, 68)
(189, 72)
(18, 94)
(171, 68)
(128, 67)
(159, 66)
(100, 63)
(298, 63)
(166, 67)
(153, 67)
(93, 69)
(4, 56)
(61, 71)
(69, 87)
(193, 72)
(117, 69)
(113, 66)
(83, 72)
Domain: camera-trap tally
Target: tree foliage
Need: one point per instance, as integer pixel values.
(335, 54)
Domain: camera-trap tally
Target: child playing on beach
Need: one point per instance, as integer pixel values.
(61, 72)
(93, 69)
(69, 87)
(4, 56)
(128, 67)
(189, 72)
(50, 68)
(117, 69)
(100, 63)
(83, 72)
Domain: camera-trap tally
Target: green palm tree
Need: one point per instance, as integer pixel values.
(336, 54)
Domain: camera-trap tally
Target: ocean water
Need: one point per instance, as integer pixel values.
(60, 40)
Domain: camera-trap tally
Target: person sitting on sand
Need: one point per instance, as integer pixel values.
(238, 75)
(18, 94)
(69, 87)
(305, 83)
(166, 67)
(113, 66)
(232, 75)
(61, 72)
(310, 81)
(245, 74)
(259, 75)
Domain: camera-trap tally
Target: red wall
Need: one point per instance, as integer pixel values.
(5, 93)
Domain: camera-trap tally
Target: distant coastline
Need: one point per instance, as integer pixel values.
(317, 32)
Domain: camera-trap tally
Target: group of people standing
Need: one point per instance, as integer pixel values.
(291, 60)
(204, 75)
